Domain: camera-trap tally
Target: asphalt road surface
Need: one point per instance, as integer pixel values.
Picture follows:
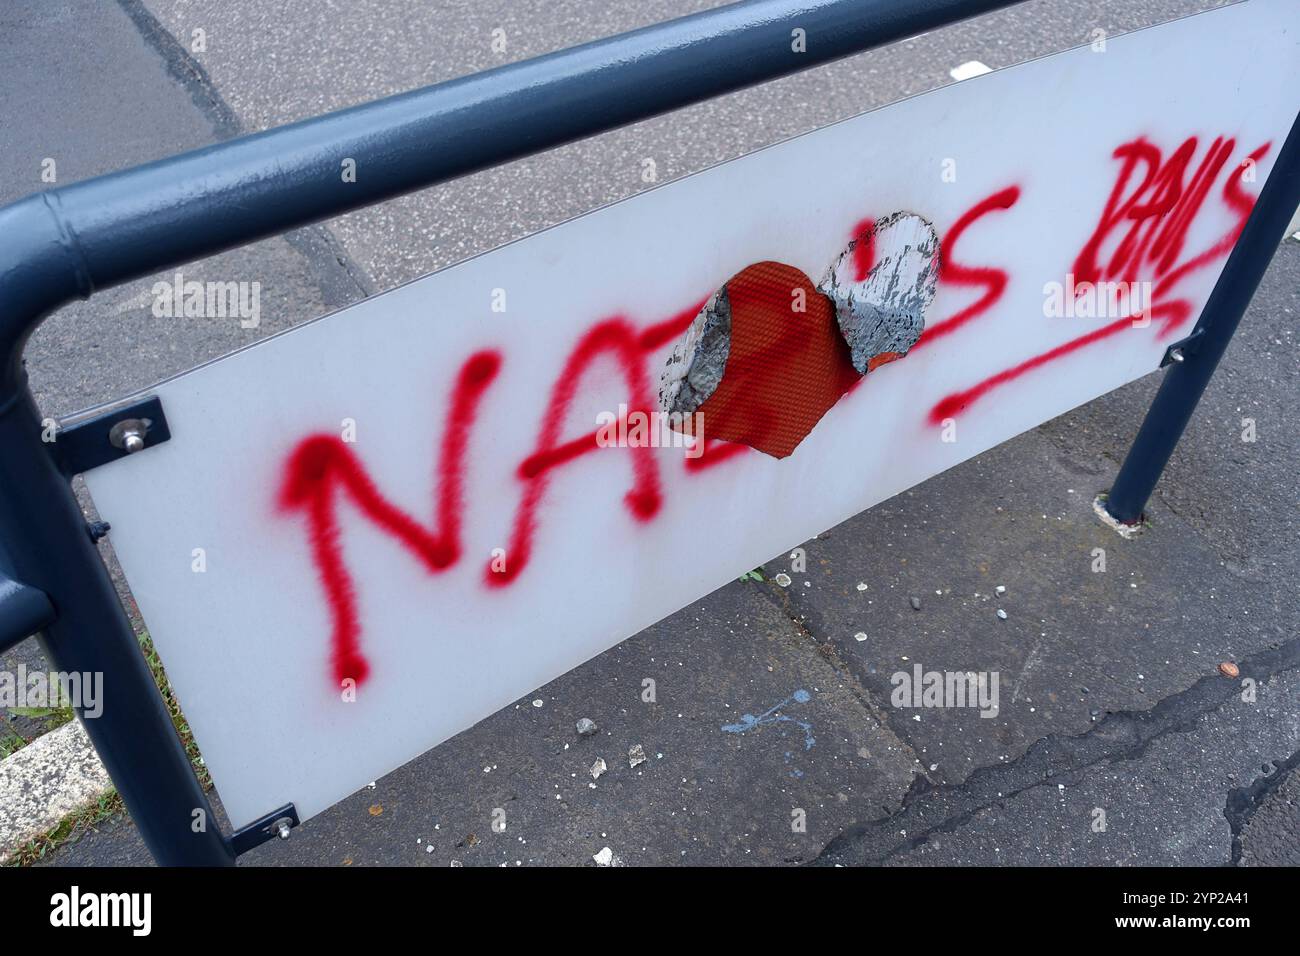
(1116, 702)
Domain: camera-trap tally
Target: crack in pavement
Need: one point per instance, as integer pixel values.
(185, 70)
(1120, 736)
(830, 653)
(1243, 802)
(340, 278)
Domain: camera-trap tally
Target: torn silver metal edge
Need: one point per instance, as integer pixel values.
(884, 314)
(698, 360)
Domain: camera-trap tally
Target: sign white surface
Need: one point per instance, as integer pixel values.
(1021, 171)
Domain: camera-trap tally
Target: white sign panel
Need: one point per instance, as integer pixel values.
(372, 531)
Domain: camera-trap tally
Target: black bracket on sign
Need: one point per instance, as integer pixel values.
(1182, 349)
(124, 430)
(275, 824)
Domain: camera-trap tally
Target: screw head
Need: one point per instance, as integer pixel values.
(1176, 355)
(128, 434)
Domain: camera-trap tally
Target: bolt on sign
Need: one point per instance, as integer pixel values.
(417, 510)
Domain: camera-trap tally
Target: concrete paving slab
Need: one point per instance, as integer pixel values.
(1157, 788)
(53, 776)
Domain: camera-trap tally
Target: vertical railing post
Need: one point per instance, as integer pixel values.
(51, 550)
(1187, 378)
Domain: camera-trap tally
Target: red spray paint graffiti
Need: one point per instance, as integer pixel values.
(615, 337)
(1158, 213)
(952, 272)
(322, 467)
(1146, 225)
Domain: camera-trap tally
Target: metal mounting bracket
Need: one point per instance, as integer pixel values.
(121, 431)
(275, 824)
(1183, 349)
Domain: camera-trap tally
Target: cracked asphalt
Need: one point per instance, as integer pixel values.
(1116, 739)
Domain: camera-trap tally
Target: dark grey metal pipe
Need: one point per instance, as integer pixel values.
(42, 524)
(23, 611)
(90, 235)
(1185, 381)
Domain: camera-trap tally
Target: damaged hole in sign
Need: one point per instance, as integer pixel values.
(770, 353)
(883, 315)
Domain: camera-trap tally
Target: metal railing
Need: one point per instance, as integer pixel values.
(71, 241)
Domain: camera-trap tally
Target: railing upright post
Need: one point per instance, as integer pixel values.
(1187, 378)
(91, 634)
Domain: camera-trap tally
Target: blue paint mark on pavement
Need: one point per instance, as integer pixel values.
(774, 716)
